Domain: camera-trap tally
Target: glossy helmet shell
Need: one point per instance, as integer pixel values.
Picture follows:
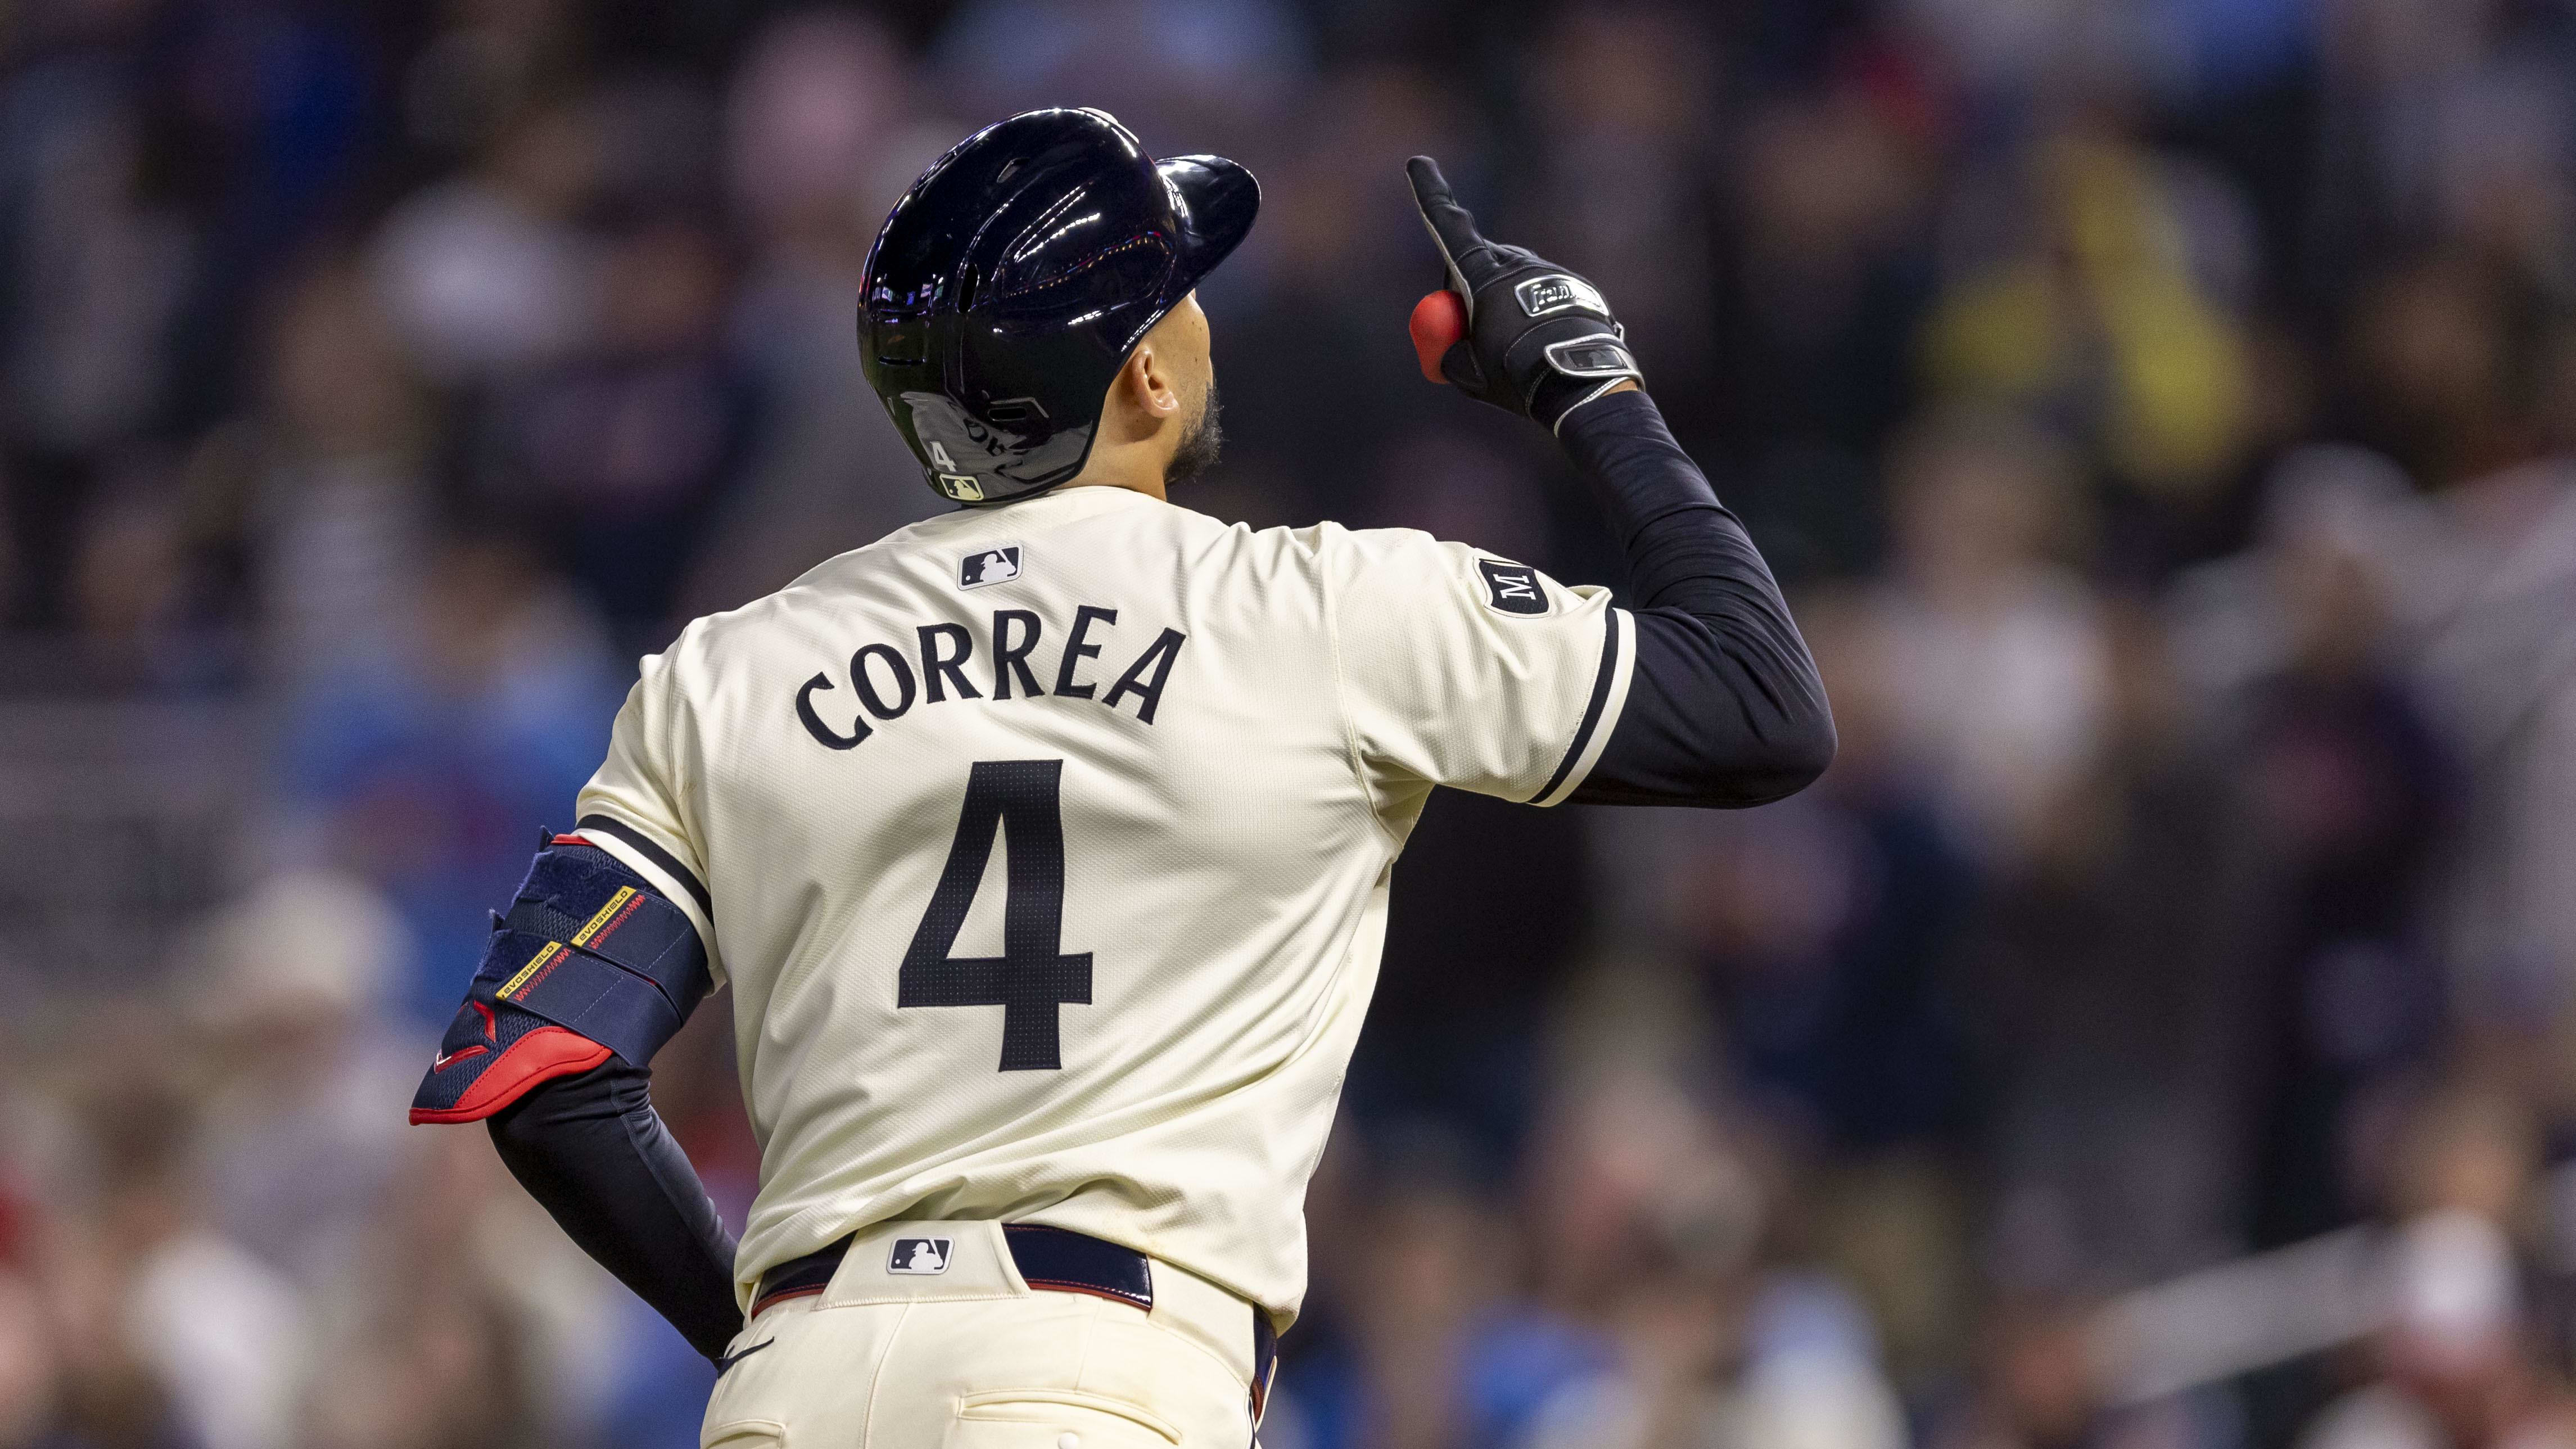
(1014, 278)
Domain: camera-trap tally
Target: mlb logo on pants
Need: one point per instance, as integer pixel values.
(921, 1256)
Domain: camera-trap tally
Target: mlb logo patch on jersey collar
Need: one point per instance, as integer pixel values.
(1512, 588)
(998, 564)
(920, 1257)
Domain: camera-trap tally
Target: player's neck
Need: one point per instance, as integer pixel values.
(1131, 466)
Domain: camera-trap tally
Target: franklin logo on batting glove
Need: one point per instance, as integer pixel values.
(1540, 296)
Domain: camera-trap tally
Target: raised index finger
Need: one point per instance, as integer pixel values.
(1467, 253)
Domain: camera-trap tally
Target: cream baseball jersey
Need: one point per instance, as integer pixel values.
(1046, 851)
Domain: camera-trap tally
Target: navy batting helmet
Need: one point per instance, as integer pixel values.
(1011, 282)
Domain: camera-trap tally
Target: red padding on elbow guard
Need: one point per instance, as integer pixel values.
(1438, 322)
(540, 1056)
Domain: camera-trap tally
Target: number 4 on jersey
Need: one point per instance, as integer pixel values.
(1033, 976)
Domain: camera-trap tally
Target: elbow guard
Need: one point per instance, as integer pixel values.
(590, 962)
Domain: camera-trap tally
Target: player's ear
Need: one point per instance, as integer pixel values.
(1152, 380)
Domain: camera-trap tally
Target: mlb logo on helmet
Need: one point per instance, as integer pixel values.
(920, 1257)
(995, 565)
(955, 485)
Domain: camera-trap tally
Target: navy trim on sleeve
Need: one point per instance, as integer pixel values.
(1592, 711)
(670, 864)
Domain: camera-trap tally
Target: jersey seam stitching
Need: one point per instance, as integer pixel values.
(1341, 698)
(684, 779)
(661, 696)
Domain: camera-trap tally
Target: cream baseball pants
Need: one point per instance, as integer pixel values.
(964, 1354)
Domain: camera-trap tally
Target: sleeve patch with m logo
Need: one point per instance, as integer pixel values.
(1512, 588)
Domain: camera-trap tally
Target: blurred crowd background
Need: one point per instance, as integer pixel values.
(2158, 1031)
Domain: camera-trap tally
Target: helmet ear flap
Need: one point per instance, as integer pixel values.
(944, 437)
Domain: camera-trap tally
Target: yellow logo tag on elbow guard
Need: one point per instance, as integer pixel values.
(624, 894)
(545, 954)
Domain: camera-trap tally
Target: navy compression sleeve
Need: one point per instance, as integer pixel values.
(1724, 707)
(593, 1153)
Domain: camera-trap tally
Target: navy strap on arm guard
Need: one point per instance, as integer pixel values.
(591, 961)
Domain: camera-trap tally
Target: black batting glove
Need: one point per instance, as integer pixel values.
(1535, 339)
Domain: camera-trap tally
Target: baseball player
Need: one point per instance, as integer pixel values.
(1045, 844)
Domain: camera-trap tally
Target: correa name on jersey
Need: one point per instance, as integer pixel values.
(942, 663)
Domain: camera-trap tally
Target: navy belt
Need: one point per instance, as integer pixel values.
(1056, 1259)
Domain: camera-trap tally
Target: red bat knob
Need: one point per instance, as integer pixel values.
(1438, 322)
